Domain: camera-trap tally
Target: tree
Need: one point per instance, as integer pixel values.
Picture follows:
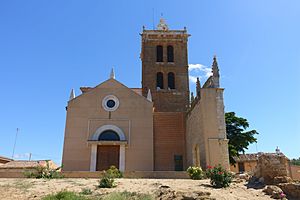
(295, 161)
(239, 138)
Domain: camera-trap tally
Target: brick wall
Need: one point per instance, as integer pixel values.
(166, 100)
(169, 139)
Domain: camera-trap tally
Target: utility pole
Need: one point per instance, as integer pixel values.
(30, 156)
(15, 144)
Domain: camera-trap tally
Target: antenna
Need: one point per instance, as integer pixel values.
(153, 18)
(15, 144)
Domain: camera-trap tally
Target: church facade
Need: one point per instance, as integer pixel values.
(157, 127)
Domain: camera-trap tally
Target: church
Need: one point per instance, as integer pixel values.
(158, 127)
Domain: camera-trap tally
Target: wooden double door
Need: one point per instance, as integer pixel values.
(107, 155)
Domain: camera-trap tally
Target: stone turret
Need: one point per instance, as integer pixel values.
(112, 74)
(149, 96)
(198, 87)
(216, 74)
(72, 95)
(192, 97)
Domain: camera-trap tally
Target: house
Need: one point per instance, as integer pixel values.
(4, 160)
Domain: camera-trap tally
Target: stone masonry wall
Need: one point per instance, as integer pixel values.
(271, 165)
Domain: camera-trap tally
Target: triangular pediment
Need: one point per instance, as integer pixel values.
(114, 85)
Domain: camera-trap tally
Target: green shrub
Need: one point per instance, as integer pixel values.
(44, 172)
(107, 181)
(30, 174)
(108, 178)
(114, 172)
(86, 191)
(195, 173)
(219, 177)
(64, 195)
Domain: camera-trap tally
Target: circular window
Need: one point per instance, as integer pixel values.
(110, 103)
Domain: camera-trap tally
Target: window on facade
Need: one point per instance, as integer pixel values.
(109, 135)
(178, 162)
(170, 51)
(160, 80)
(159, 53)
(171, 80)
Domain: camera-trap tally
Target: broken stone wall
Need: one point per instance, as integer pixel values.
(270, 166)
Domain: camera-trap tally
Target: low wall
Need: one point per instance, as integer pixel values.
(86, 174)
(132, 174)
(13, 173)
(295, 172)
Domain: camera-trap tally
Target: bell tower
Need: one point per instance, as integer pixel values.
(165, 67)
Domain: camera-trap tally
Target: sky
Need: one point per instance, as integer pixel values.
(49, 47)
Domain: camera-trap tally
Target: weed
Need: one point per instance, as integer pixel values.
(86, 191)
(127, 196)
(65, 195)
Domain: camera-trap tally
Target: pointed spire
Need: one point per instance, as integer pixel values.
(149, 96)
(72, 95)
(192, 97)
(215, 67)
(112, 74)
(216, 74)
(198, 87)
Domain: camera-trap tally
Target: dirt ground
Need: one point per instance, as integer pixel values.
(12, 189)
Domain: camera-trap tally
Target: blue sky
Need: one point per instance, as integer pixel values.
(49, 47)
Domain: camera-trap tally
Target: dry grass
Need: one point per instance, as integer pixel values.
(33, 189)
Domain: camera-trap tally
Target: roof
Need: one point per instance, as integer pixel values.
(247, 157)
(5, 158)
(137, 90)
(20, 164)
(254, 156)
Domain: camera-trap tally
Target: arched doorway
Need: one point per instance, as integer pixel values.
(108, 155)
(107, 148)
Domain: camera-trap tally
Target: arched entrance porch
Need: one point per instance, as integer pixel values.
(107, 148)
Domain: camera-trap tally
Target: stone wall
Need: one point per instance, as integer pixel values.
(206, 129)
(271, 165)
(291, 189)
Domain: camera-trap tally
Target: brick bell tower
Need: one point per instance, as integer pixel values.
(165, 68)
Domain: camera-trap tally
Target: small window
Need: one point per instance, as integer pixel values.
(171, 80)
(159, 80)
(178, 162)
(109, 135)
(159, 53)
(170, 51)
